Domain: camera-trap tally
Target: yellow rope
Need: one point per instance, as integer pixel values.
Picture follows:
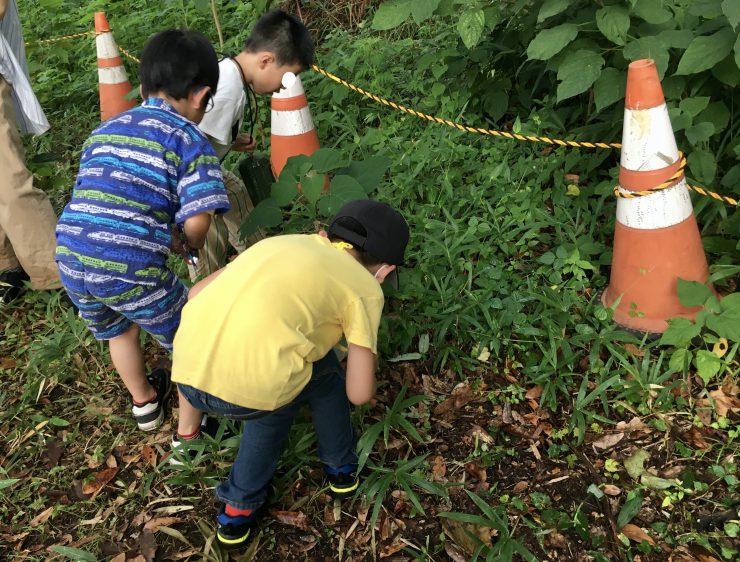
(505, 134)
(459, 126)
(57, 39)
(670, 182)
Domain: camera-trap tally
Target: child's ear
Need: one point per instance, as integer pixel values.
(265, 59)
(196, 98)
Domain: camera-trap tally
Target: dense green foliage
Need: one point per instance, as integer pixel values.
(511, 242)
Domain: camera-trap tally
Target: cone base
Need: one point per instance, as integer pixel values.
(645, 271)
(283, 147)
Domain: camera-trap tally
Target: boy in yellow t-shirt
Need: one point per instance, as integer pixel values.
(255, 341)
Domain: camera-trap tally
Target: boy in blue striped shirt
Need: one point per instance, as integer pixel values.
(145, 176)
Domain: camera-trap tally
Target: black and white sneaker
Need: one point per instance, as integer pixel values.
(149, 416)
(187, 450)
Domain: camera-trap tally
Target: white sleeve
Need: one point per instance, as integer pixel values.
(217, 123)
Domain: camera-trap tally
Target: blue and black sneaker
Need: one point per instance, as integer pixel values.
(343, 480)
(233, 531)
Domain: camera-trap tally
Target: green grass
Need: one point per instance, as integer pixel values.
(487, 444)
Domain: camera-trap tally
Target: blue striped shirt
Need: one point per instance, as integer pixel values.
(140, 172)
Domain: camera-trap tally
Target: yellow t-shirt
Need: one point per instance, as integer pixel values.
(251, 336)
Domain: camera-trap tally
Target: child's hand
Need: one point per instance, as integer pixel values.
(180, 246)
(244, 142)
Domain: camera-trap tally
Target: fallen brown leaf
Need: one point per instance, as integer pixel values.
(459, 533)
(519, 487)
(7, 363)
(632, 349)
(455, 553)
(157, 522)
(149, 454)
(608, 441)
(481, 434)
(476, 471)
(147, 545)
(119, 557)
(612, 490)
(292, 518)
(42, 517)
(723, 404)
(100, 480)
(53, 453)
(697, 439)
(635, 424)
(111, 462)
(439, 470)
(391, 549)
(636, 534)
(534, 393)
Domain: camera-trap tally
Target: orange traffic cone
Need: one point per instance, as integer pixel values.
(656, 238)
(113, 81)
(291, 126)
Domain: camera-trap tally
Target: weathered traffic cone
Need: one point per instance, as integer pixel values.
(291, 127)
(656, 238)
(113, 81)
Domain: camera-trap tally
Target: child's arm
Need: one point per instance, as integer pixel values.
(203, 283)
(195, 229)
(360, 374)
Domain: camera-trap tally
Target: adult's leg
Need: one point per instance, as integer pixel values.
(27, 220)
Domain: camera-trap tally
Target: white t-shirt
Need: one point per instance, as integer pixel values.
(228, 108)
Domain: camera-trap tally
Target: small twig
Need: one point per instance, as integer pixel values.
(214, 12)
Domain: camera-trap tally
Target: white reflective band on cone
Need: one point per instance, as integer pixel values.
(112, 75)
(661, 209)
(294, 86)
(289, 123)
(106, 46)
(647, 139)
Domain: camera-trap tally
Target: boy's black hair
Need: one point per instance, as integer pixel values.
(283, 35)
(365, 257)
(177, 60)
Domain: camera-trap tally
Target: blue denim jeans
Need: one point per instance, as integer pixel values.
(264, 432)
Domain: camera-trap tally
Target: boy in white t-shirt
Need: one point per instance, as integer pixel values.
(279, 43)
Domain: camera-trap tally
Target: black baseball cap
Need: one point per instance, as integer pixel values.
(385, 236)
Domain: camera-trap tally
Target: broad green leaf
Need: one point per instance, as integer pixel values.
(347, 188)
(266, 214)
(699, 132)
(680, 332)
(725, 325)
(327, 159)
(676, 38)
(649, 47)
(391, 14)
(727, 71)
(655, 482)
(368, 173)
(550, 42)
(703, 166)
(707, 365)
(496, 103)
(731, 9)
(313, 186)
(284, 190)
(578, 72)
(706, 9)
(680, 360)
(76, 554)
(705, 51)
(470, 27)
(329, 205)
(717, 114)
(422, 10)
(613, 22)
(203, 6)
(731, 304)
(551, 8)
(609, 88)
(652, 11)
(692, 293)
(635, 463)
(630, 508)
(695, 105)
